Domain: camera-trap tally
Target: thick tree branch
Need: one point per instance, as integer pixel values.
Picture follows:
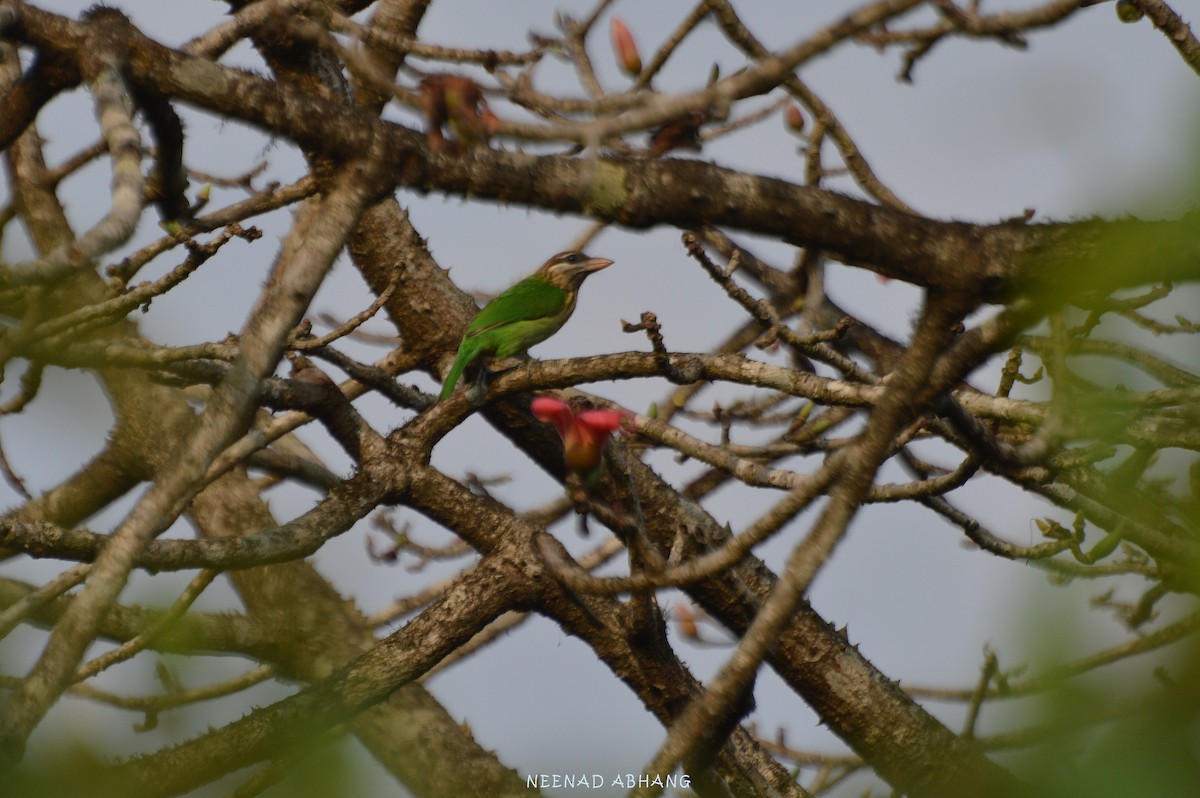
(193, 632)
(856, 467)
(114, 110)
(477, 598)
(297, 538)
(991, 262)
(1178, 33)
(306, 257)
(636, 651)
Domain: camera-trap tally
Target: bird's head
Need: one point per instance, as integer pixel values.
(567, 270)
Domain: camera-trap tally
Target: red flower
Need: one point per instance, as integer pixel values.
(584, 433)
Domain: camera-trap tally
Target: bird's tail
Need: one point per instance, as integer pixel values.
(460, 363)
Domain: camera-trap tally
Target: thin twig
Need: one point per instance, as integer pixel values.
(349, 326)
(142, 641)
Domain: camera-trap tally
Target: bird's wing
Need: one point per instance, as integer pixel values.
(526, 301)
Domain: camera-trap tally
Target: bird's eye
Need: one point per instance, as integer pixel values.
(574, 257)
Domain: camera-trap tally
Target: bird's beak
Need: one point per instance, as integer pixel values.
(596, 264)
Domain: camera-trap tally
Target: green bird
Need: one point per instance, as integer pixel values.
(526, 314)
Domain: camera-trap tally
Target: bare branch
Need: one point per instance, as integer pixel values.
(114, 110)
(1174, 28)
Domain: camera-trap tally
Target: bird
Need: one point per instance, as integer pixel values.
(526, 314)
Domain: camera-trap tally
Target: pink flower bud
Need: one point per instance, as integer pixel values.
(625, 48)
(793, 118)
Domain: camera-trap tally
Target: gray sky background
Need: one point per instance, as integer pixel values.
(1096, 117)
